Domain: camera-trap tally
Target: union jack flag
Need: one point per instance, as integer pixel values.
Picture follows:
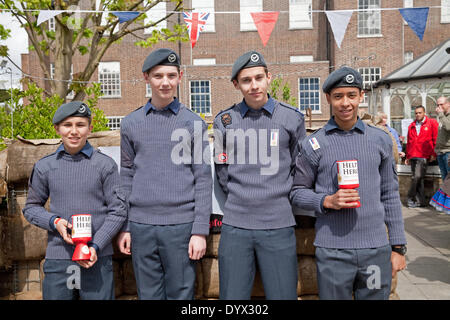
(196, 23)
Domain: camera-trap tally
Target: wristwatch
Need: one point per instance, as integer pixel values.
(400, 249)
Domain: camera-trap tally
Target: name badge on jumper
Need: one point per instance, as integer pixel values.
(274, 138)
(314, 143)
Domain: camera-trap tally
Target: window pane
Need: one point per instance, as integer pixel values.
(309, 94)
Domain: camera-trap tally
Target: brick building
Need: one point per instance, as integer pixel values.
(301, 50)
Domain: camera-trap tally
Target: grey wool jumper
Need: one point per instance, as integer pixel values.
(85, 183)
(163, 173)
(316, 177)
(257, 175)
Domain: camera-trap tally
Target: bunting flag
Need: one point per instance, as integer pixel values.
(339, 21)
(45, 15)
(125, 16)
(196, 23)
(416, 19)
(265, 22)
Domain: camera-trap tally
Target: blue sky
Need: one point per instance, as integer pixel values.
(17, 43)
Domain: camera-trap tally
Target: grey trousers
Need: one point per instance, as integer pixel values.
(67, 280)
(365, 272)
(161, 261)
(273, 250)
(416, 190)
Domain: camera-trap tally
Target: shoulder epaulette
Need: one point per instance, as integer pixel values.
(49, 155)
(288, 106)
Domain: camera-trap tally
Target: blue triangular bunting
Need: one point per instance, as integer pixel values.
(416, 19)
(125, 15)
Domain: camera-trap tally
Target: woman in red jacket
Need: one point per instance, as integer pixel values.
(422, 134)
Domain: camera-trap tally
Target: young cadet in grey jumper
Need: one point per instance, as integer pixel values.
(353, 250)
(169, 198)
(77, 179)
(256, 142)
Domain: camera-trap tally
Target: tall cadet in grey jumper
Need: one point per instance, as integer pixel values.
(77, 179)
(168, 185)
(353, 250)
(256, 142)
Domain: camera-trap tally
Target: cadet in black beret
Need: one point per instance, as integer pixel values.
(344, 216)
(343, 77)
(167, 227)
(247, 60)
(72, 109)
(163, 56)
(258, 224)
(78, 179)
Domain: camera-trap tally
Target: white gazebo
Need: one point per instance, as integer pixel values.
(419, 82)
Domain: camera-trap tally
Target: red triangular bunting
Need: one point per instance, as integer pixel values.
(265, 22)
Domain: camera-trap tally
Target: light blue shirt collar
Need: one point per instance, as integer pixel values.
(269, 106)
(332, 125)
(174, 106)
(87, 150)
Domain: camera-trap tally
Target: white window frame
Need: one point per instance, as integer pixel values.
(445, 11)
(52, 24)
(206, 6)
(114, 122)
(111, 84)
(311, 93)
(300, 15)
(372, 76)
(208, 94)
(154, 14)
(367, 17)
(301, 59)
(408, 57)
(204, 62)
(245, 7)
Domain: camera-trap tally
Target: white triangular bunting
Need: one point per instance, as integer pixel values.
(45, 15)
(339, 21)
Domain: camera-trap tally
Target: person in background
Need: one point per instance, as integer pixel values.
(381, 119)
(441, 199)
(422, 134)
(442, 148)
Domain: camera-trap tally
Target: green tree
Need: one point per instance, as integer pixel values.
(282, 91)
(88, 34)
(34, 120)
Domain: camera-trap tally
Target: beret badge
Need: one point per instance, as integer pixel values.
(172, 57)
(254, 57)
(82, 108)
(349, 78)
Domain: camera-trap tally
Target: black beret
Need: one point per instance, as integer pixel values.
(247, 60)
(162, 56)
(71, 109)
(343, 77)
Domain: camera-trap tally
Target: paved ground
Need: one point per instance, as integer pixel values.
(427, 276)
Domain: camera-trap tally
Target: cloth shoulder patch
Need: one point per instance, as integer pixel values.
(226, 119)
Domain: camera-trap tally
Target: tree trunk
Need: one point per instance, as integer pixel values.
(63, 60)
